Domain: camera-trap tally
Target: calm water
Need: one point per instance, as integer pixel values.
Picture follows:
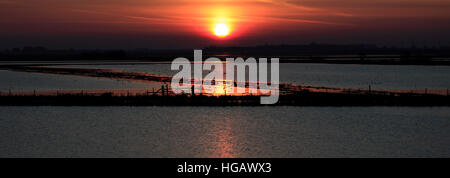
(329, 75)
(224, 132)
(341, 75)
(23, 81)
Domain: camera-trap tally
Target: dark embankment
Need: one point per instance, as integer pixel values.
(298, 99)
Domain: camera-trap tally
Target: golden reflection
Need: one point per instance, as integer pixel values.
(223, 140)
(219, 90)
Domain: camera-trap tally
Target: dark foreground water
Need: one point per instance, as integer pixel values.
(224, 132)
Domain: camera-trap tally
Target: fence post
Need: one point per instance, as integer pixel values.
(167, 88)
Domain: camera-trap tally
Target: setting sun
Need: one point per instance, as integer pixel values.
(221, 30)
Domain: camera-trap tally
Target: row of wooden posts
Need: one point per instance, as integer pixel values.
(164, 90)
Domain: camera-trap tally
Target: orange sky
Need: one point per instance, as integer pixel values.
(189, 23)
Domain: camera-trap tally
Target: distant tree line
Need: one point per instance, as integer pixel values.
(311, 51)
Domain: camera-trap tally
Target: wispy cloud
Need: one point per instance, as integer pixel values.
(9, 2)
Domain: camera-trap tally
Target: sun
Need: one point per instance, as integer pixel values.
(221, 30)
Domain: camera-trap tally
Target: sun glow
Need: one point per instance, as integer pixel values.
(221, 30)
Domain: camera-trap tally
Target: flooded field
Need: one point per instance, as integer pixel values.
(23, 81)
(381, 77)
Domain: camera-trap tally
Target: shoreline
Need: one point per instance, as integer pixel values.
(283, 59)
(302, 98)
(290, 94)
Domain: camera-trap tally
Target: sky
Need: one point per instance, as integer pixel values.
(190, 23)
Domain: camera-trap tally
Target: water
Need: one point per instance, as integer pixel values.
(379, 77)
(361, 76)
(23, 81)
(224, 132)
